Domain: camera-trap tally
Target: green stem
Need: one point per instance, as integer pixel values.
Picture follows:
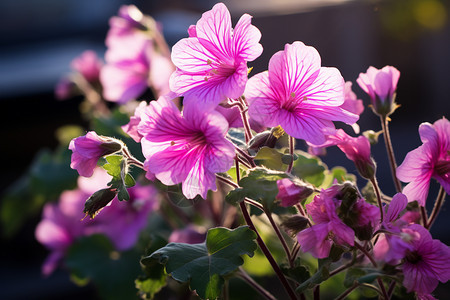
(437, 207)
(423, 213)
(246, 156)
(267, 253)
(243, 110)
(390, 152)
(291, 152)
(317, 292)
(347, 292)
(262, 291)
(280, 237)
(378, 193)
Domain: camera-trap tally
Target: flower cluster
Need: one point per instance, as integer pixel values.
(207, 148)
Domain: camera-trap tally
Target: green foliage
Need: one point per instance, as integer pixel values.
(111, 125)
(154, 280)
(260, 184)
(48, 176)
(309, 168)
(205, 265)
(321, 275)
(270, 158)
(121, 179)
(113, 273)
(298, 273)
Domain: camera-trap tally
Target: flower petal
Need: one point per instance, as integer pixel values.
(214, 30)
(246, 39)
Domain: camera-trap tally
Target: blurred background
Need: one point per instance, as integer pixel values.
(41, 37)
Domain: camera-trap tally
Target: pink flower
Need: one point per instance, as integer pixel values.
(381, 86)
(88, 149)
(128, 21)
(352, 104)
(298, 94)
(60, 226)
(431, 160)
(186, 149)
(291, 193)
(125, 78)
(88, 64)
(63, 223)
(356, 149)
(212, 62)
(131, 127)
(134, 61)
(426, 263)
(392, 246)
(328, 228)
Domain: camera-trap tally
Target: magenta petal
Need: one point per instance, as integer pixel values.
(416, 281)
(314, 240)
(342, 232)
(327, 89)
(304, 126)
(189, 55)
(397, 205)
(417, 190)
(414, 165)
(214, 30)
(124, 81)
(198, 181)
(246, 39)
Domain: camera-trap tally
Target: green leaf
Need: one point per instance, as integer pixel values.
(154, 280)
(270, 158)
(235, 196)
(341, 175)
(129, 181)
(352, 276)
(205, 265)
(47, 177)
(261, 185)
(111, 125)
(298, 273)
(112, 273)
(113, 165)
(321, 275)
(116, 167)
(309, 168)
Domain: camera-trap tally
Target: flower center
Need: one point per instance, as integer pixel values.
(222, 70)
(442, 167)
(292, 102)
(413, 257)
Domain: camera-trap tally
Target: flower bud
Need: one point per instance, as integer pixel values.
(291, 192)
(88, 149)
(294, 224)
(372, 136)
(380, 85)
(366, 168)
(265, 138)
(98, 201)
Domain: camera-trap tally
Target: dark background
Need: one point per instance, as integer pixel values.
(40, 38)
